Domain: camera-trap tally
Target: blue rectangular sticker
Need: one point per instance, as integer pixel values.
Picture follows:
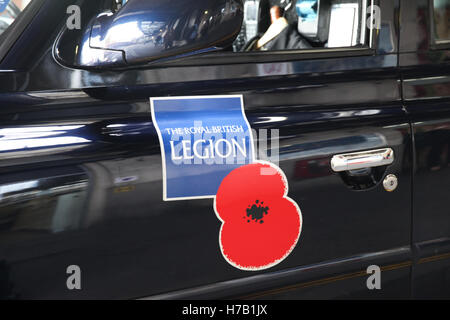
(202, 140)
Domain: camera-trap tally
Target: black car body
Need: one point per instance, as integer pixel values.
(81, 173)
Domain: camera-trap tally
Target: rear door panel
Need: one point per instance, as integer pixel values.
(426, 89)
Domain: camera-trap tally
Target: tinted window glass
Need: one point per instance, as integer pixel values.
(273, 25)
(441, 20)
(9, 11)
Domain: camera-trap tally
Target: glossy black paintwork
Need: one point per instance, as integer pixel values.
(95, 199)
(426, 90)
(126, 229)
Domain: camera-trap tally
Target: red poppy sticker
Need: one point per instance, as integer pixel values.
(260, 224)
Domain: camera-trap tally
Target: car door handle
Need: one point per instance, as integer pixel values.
(361, 160)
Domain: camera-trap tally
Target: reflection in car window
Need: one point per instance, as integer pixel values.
(9, 11)
(274, 25)
(442, 20)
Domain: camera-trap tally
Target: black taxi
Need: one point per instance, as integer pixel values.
(217, 149)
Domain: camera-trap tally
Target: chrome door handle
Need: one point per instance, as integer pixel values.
(360, 160)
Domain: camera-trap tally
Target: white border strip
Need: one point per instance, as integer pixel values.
(286, 197)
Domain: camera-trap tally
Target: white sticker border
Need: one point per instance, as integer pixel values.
(161, 142)
(285, 196)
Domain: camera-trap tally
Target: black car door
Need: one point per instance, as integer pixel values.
(424, 59)
(81, 171)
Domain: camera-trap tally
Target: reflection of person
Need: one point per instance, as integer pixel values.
(279, 23)
(281, 35)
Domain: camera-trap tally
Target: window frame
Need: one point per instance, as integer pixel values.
(224, 58)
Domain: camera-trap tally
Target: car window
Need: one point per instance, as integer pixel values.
(9, 11)
(273, 25)
(441, 11)
(267, 26)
